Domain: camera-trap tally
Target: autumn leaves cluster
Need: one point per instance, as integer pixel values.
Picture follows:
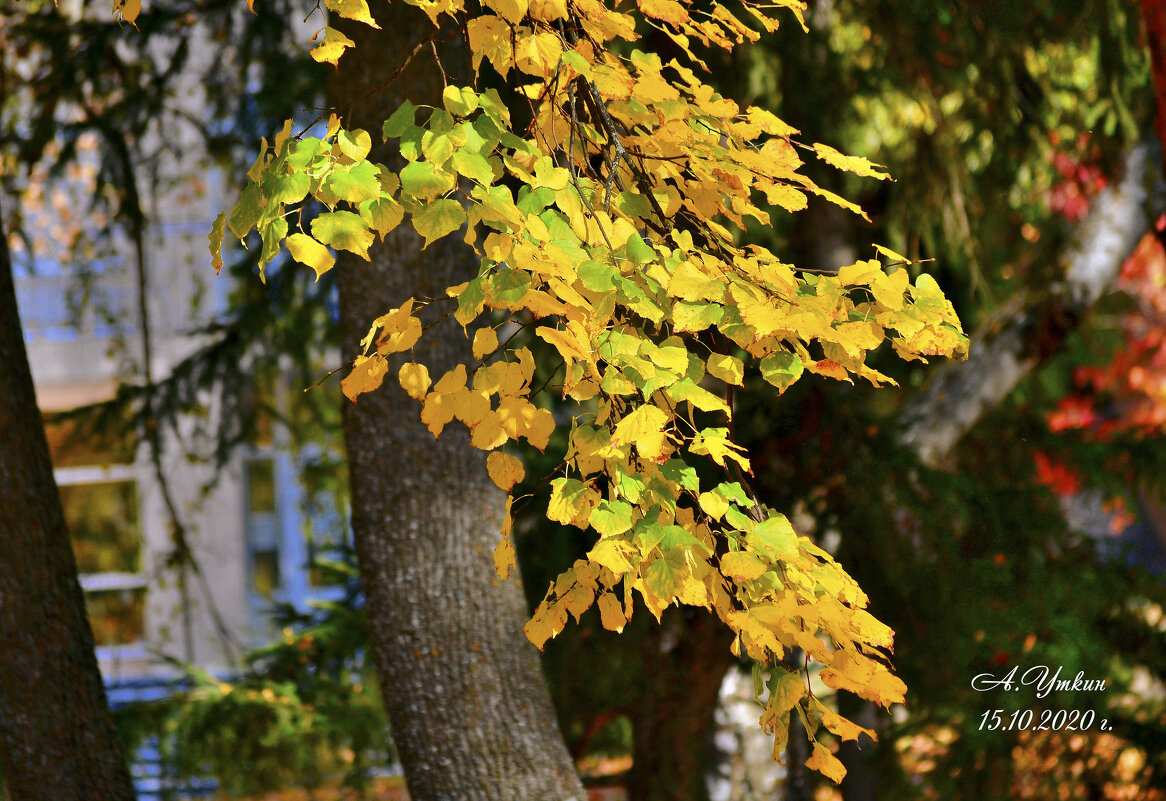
(611, 229)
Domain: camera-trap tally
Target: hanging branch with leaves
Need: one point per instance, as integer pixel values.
(613, 226)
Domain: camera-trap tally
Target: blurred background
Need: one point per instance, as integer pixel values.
(1002, 512)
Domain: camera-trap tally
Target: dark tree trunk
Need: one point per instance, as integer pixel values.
(467, 701)
(57, 738)
(685, 661)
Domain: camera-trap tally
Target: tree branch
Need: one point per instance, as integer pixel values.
(1030, 329)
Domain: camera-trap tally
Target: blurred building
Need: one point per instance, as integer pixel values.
(249, 532)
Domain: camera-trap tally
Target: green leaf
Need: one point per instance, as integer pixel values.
(382, 214)
(308, 251)
(470, 301)
(355, 184)
(638, 299)
(639, 250)
(489, 131)
(273, 236)
(697, 396)
(598, 276)
(215, 239)
(647, 533)
(497, 204)
(629, 485)
(436, 147)
(633, 204)
(438, 219)
(775, 538)
(343, 230)
(733, 491)
(286, 188)
(680, 537)
(246, 212)
(402, 119)
(738, 519)
(781, 369)
(473, 166)
(612, 517)
(302, 153)
(424, 181)
(681, 473)
(411, 142)
(664, 576)
(696, 316)
(507, 287)
(533, 201)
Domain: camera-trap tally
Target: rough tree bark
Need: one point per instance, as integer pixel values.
(467, 701)
(57, 738)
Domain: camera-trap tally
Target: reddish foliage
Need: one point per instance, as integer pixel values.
(1081, 178)
(1056, 476)
(1129, 392)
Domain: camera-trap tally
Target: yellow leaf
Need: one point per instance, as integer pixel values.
(351, 9)
(490, 39)
(505, 470)
(436, 412)
(390, 323)
(488, 433)
(729, 369)
(826, 763)
(129, 10)
(567, 342)
(768, 122)
(714, 505)
(786, 689)
(333, 46)
(860, 274)
(397, 341)
(504, 560)
(367, 374)
(892, 255)
(510, 10)
(613, 553)
(548, 10)
(665, 10)
(611, 612)
(414, 379)
(741, 565)
(308, 251)
(539, 434)
(547, 622)
(690, 283)
(469, 407)
(538, 55)
(645, 421)
(485, 342)
(888, 289)
(215, 238)
(855, 164)
(845, 729)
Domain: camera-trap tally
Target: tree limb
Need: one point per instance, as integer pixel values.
(1031, 328)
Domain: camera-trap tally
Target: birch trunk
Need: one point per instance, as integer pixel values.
(1033, 326)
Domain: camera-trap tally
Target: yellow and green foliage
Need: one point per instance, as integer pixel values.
(613, 227)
